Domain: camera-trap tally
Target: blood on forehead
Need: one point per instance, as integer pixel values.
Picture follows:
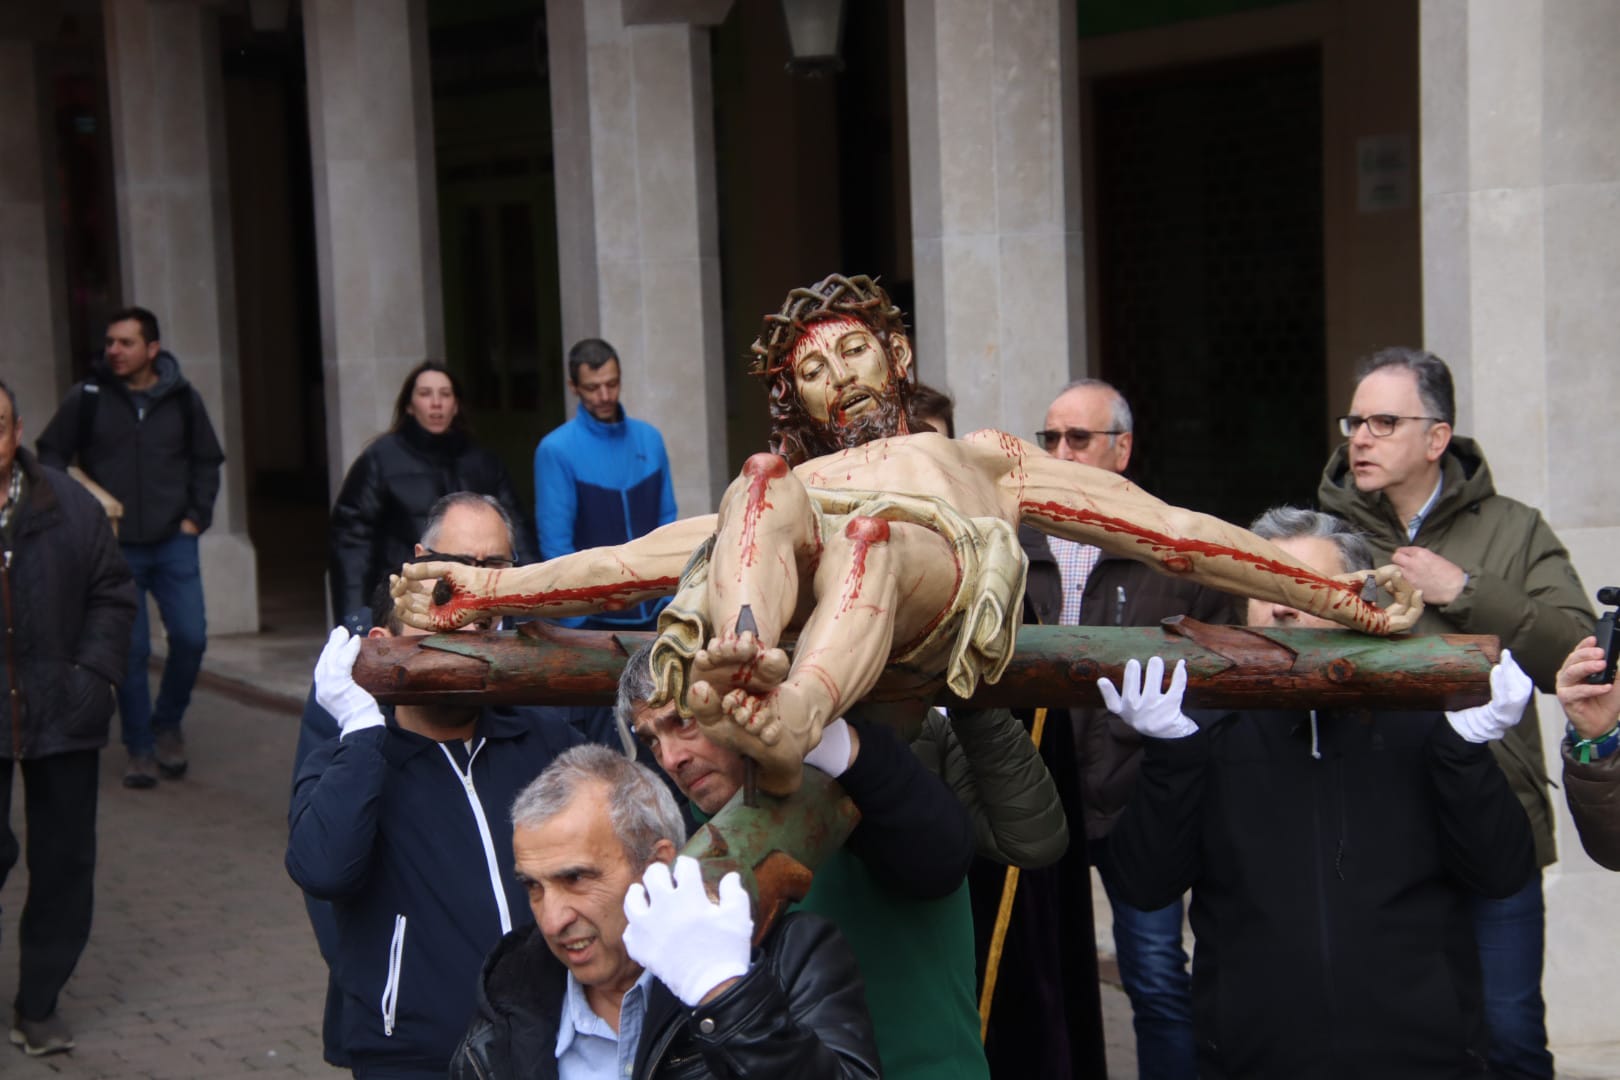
(823, 336)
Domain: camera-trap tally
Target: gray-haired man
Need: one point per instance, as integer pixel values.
(1333, 857)
(617, 978)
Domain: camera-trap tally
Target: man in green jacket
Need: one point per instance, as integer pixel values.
(1486, 564)
(899, 896)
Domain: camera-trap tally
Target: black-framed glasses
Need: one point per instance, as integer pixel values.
(1382, 425)
(1077, 438)
(489, 562)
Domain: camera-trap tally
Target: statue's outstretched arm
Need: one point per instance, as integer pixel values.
(596, 579)
(1098, 507)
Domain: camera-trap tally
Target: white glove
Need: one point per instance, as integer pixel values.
(1510, 693)
(1151, 711)
(335, 688)
(831, 754)
(690, 944)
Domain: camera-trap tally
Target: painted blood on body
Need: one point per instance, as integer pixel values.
(864, 531)
(760, 469)
(1180, 562)
(614, 597)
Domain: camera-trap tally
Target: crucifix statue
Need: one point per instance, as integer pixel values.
(874, 542)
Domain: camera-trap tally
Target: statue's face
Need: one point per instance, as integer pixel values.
(841, 371)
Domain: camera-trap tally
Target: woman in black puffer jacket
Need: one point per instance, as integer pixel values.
(383, 507)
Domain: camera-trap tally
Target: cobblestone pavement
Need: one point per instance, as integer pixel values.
(201, 962)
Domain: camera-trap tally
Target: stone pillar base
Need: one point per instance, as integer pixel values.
(230, 572)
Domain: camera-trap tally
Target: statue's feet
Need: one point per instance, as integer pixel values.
(776, 729)
(735, 660)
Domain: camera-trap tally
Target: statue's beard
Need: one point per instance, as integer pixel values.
(881, 422)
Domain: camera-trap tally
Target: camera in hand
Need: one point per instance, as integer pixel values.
(1607, 639)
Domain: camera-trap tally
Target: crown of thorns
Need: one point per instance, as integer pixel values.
(855, 297)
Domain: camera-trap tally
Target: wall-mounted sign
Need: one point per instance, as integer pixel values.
(1383, 173)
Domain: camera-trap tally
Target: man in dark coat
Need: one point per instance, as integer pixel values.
(1090, 422)
(140, 430)
(400, 824)
(1333, 858)
(1487, 564)
(66, 607)
(616, 978)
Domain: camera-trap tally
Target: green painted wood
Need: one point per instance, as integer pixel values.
(1228, 667)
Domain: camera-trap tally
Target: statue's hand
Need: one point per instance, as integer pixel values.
(1406, 602)
(442, 595)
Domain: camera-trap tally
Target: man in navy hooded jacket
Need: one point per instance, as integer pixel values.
(602, 478)
(401, 823)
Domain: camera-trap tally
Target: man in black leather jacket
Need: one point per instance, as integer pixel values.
(659, 982)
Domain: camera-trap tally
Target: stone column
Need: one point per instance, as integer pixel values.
(993, 111)
(633, 134)
(31, 302)
(174, 232)
(376, 209)
(1521, 265)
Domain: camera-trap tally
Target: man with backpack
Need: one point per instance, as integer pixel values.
(140, 430)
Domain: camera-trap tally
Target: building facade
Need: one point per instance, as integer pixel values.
(1217, 204)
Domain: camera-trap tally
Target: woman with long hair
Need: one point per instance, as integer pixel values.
(382, 508)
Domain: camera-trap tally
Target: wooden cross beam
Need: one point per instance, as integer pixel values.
(776, 843)
(1227, 667)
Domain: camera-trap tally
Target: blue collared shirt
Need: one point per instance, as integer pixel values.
(1415, 523)
(587, 1047)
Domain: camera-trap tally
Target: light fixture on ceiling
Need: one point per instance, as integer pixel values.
(815, 36)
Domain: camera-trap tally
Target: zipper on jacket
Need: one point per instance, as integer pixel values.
(11, 660)
(140, 482)
(495, 878)
(656, 1058)
(396, 959)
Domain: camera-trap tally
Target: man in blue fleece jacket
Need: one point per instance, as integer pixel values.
(602, 478)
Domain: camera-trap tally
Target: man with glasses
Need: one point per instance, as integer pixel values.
(343, 790)
(1090, 422)
(1486, 564)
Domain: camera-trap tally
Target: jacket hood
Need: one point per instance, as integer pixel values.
(1465, 481)
(167, 367)
(520, 975)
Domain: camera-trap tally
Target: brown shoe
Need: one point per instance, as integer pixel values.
(141, 772)
(40, 1037)
(171, 753)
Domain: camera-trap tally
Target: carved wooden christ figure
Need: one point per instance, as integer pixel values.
(878, 546)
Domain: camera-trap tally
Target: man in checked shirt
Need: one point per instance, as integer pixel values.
(1090, 422)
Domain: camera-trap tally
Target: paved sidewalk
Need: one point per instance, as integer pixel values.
(201, 962)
